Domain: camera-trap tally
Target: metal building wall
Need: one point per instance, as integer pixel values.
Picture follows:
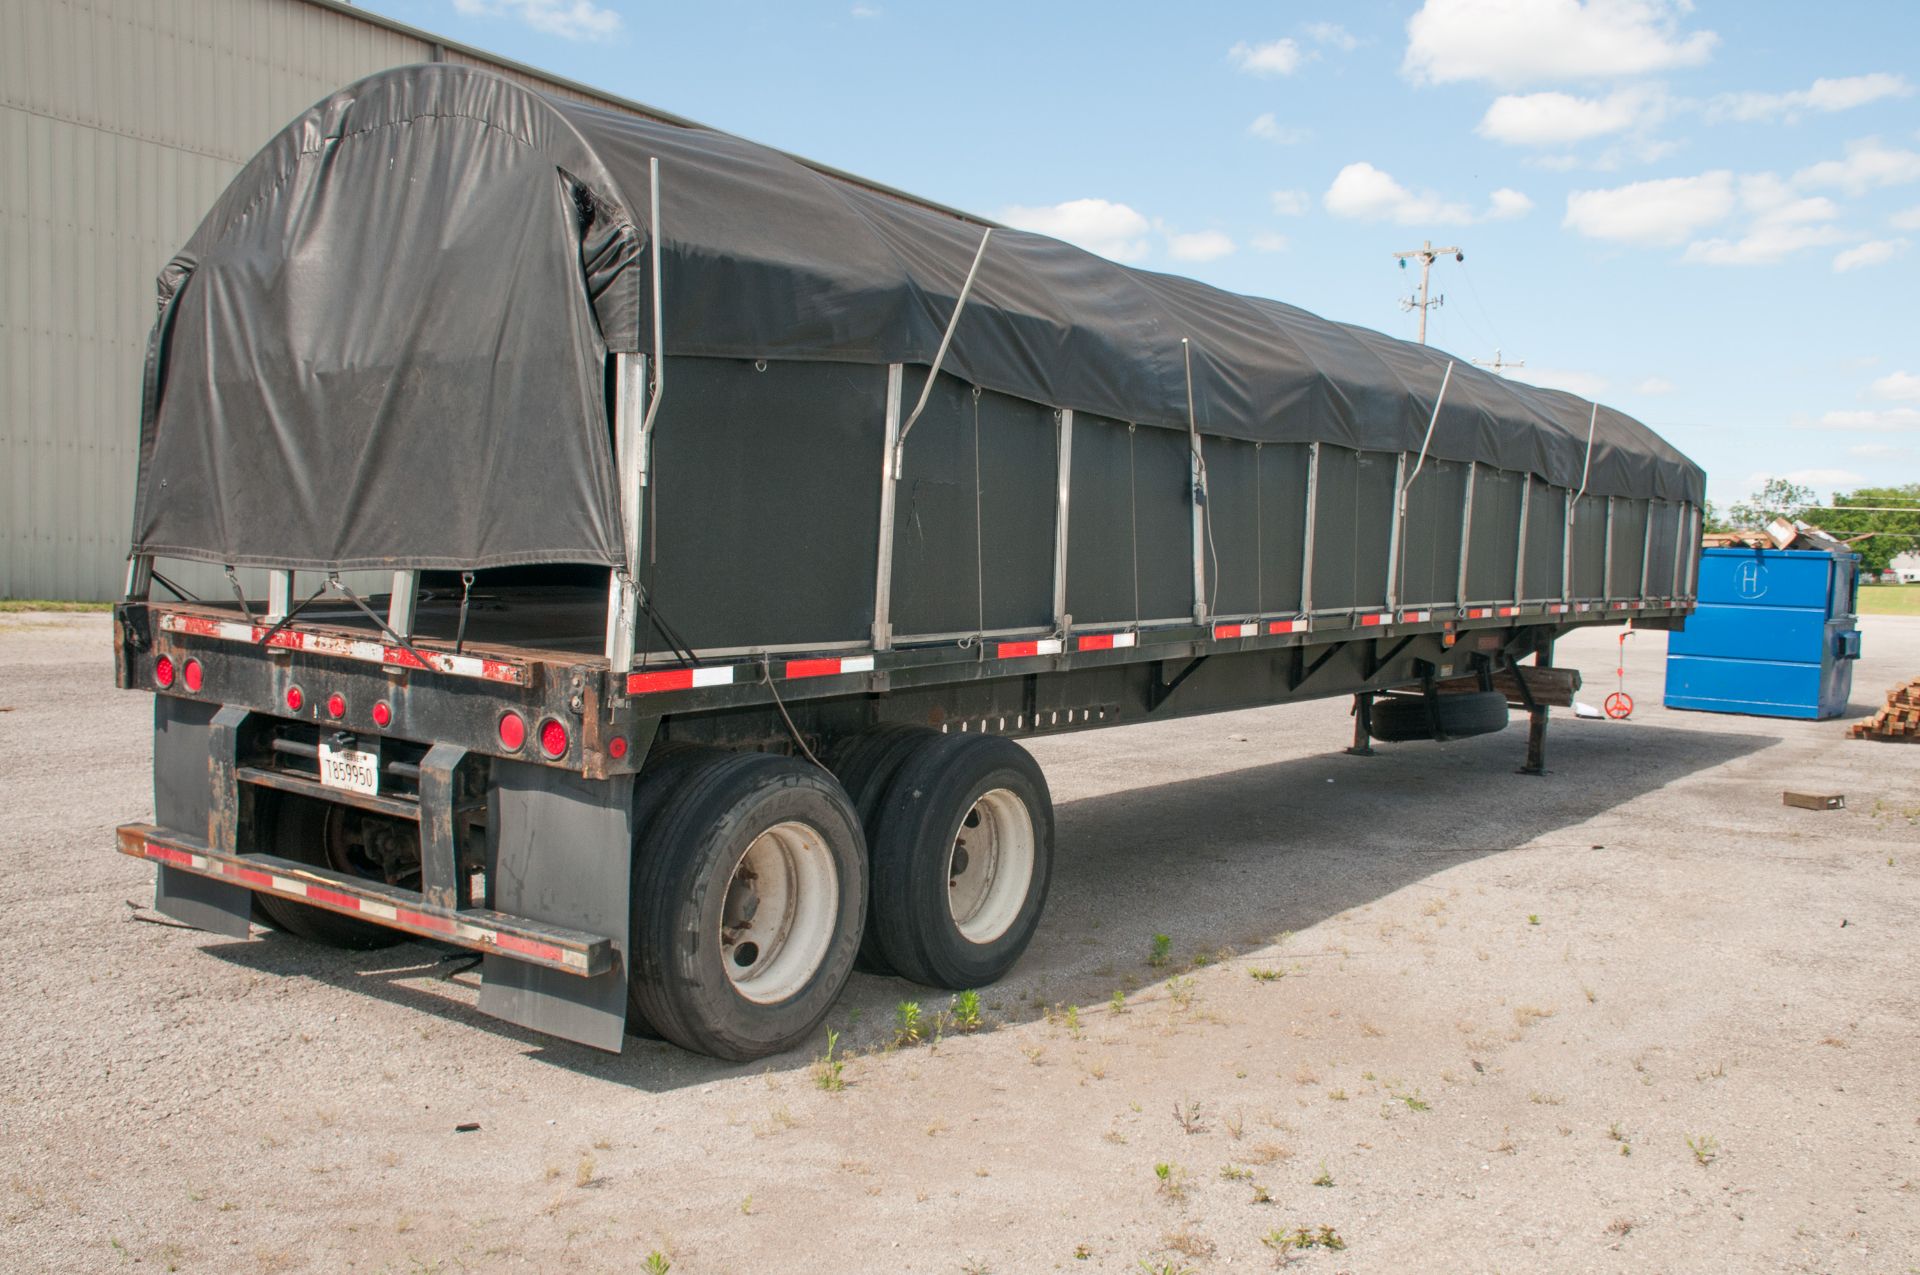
(120, 123)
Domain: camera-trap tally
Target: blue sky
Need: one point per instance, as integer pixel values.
(1705, 214)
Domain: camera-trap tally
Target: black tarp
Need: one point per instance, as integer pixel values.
(385, 344)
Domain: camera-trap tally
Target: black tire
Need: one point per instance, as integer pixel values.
(666, 765)
(297, 828)
(1400, 719)
(865, 765)
(915, 831)
(716, 811)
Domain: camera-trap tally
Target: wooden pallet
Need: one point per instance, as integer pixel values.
(1899, 720)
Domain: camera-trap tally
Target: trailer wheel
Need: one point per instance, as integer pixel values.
(322, 836)
(749, 897)
(962, 854)
(1400, 719)
(865, 765)
(666, 764)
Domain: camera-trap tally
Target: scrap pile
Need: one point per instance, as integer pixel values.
(1899, 720)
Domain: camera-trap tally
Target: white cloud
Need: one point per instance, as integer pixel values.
(1560, 119)
(1906, 219)
(1505, 204)
(865, 11)
(569, 19)
(1199, 245)
(1541, 41)
(1897, 386)
(1276, 57)
(1333, 35)
(1868, 164)
(1886, 420)
(1656, 385)
(1267, 128)
(1782, 225)
(1098, 225)
(1271, 243)
(1362, 192)
(1585, 384)
(1665, 211)
(1290, 203)
(1825, 95)
(1875, 252)
(1876, 450)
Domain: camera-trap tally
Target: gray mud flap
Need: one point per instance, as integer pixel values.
(561, 852)
(186, 771)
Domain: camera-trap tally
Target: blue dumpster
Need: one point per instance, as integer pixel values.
(1773, 635)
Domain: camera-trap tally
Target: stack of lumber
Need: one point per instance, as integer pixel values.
(1899, 720)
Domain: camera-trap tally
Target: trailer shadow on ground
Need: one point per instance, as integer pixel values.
(1221, 863)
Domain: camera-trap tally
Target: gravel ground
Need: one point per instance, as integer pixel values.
(1636, 1015)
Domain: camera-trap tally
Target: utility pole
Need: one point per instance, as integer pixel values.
(1499, 364)
(1426, 253)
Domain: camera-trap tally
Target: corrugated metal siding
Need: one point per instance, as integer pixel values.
(121, 121)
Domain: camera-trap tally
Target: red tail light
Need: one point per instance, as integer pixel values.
(553, 738)
(336, 705)
(193, 675)
(513, 731)
(383, 714)
(295, 699)
(163, 671)
(617, 747)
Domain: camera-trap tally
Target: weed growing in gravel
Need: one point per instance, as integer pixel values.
(1164, 1268)
(1336, 1095)
(1260, 1195)
(1705, 1148)
(746, 1207)
(826, 1068)
(1304, 1238)
(966, 1011)
(1180, 988)
(1081, 1252)
(1187, 1244)
(1234, 1173)
(1236, 1123)
(1414, 1101)
(1533, 918)
(1325, 1178)
(1619, 1135)
(1118, 1005)
(1161, 952)
(906, 1023)
(1035, 1053)
(583, 1173)
(1187, 1116)
(1172, 1180)
(1265, 973)
(657, 1263)
(974, 1266)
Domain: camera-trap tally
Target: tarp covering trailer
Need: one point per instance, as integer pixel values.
(730, 497)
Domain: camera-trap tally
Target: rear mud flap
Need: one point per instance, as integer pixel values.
(561, 853)
(187, 770)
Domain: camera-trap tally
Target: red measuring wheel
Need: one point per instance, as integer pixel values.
(1619, 705)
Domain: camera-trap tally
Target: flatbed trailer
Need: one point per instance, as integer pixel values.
(698, 674)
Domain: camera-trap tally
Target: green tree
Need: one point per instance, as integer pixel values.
(1889, 527)
(1778, 498)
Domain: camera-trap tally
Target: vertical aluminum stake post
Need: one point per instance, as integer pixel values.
(1394, 564)
(1063, 499)
(883, 567)
(1197, 485)
(1306, 542)
(1573, 509)
(1466, 534)
(636, 402)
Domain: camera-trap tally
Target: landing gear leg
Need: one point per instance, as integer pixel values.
(1362, 725)
(1536, 713)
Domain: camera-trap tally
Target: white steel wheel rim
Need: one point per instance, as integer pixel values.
(990, 867)
(778, 914)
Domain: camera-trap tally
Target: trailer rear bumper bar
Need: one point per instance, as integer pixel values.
(478, 929)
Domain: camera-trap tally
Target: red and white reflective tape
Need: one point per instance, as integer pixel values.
(1479, 613)
(1369, 621)
(1507, 611)
(1021, 650)
(1224, 632)
(1415, 617)
(680, 679)
(431, 924)
(1104, 641)
(362, 649)
(1557, 608)
(1580, 606)
(1289, 626)
(830, 667)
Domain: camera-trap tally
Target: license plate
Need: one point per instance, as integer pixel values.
(351, 769)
